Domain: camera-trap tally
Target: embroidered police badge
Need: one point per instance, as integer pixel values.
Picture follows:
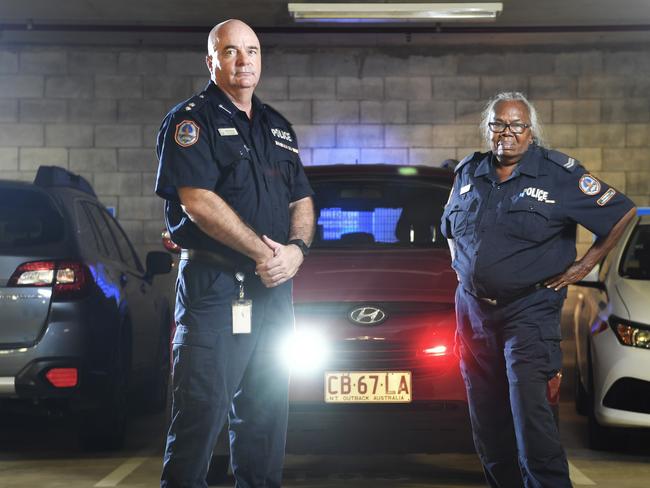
(589, 185)
(187, 133)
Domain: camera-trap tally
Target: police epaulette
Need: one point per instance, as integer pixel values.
(193, 103)
(268, 107)
(561, 159)
(472, 157)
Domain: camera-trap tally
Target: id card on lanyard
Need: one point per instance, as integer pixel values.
(241, 309)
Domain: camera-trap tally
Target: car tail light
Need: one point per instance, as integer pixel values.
(37, 273)
(439, 350)
(70, 279)
(63, 377)
(553, 389)
(168, 244)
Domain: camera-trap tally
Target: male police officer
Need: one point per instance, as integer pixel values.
(235, 193)
(511, 224)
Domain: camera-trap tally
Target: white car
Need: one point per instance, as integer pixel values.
(612, 334)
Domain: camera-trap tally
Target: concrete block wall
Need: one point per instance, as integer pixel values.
(96, 110)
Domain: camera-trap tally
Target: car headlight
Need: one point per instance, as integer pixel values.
(304, 351)
(631, 334)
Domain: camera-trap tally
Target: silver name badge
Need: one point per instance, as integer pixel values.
(241, 309)
(227, 131)
(465, 189)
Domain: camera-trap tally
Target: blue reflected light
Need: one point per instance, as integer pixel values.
(109, 289)
(380, 222)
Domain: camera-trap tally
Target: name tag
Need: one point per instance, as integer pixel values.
(465, 189)
(228, 131)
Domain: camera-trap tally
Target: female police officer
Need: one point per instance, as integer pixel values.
(511, 224)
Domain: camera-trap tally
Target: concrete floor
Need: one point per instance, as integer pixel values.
(44, 454)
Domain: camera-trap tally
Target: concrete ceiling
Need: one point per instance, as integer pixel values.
(154, 21)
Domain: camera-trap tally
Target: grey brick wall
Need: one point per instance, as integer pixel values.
(96, 110)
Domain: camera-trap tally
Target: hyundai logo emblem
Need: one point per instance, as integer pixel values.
(367, 316)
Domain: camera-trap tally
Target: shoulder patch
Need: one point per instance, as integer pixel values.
(589, 185)
(187, 133)
(561, 159)
(472, 157)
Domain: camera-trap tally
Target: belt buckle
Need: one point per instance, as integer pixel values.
(491, 301)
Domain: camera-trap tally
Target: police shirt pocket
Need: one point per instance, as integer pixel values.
(462, 216)
(527, 220)
(235, 165)
(285, 169)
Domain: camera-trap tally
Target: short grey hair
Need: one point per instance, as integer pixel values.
(535, 123)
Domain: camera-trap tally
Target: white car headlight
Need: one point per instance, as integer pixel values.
(630, 334)
(304, 351)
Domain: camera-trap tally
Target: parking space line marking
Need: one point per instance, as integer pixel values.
(121, 472)
(578, 477)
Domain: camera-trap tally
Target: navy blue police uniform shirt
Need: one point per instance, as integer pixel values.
(206, 142)
(511, 235)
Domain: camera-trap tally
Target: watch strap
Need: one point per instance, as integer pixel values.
(304, 249)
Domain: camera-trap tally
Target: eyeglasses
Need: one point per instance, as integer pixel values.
(515, 127)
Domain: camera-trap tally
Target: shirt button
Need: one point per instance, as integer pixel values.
(498, 187)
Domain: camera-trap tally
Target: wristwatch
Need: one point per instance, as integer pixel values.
(304, 249)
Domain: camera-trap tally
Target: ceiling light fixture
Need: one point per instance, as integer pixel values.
(394, 12)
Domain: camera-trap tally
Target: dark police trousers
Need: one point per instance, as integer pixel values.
(508, 353)
(217, 374)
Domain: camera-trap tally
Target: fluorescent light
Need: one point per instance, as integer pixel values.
(393, 12)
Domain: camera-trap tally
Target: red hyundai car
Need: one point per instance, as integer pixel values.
(372, 357)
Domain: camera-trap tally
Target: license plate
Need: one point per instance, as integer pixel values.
(368, 386)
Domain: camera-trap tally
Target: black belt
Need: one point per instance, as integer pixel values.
(506, 300)
(207, 257)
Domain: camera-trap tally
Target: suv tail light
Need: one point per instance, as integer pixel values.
(70, 279)
(63, 377)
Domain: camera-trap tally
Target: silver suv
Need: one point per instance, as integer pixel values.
(81, 325)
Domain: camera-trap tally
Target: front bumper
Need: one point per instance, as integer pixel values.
(613, 362)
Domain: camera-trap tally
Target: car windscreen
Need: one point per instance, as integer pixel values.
(636, 260)
(379, 213)
(27, 218)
